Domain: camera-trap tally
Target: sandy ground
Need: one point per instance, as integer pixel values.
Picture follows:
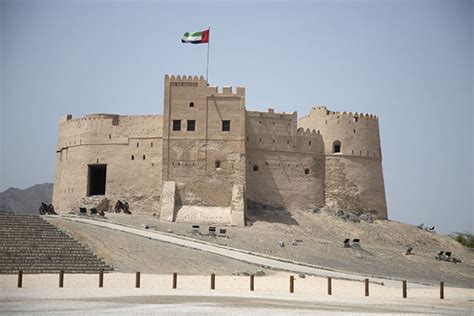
(232, 296)
(320, 238)
(130, 253)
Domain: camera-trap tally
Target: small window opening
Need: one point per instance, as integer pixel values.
(255, 168)
(273, 141)
(191, 125)
(288, 141)
(133, 157)
(336, 147)
(144, 157)
(191, 104)
(247, 139)
(306, 171)
(176, 125)
(355, 119)
(151, 145)
(273, 123)
(309, 143)
(226, 126)
(354, 131)
(138, 145)
(260, 140)
(110, 136)
(217, 164)
(266, 163)
(326, 121)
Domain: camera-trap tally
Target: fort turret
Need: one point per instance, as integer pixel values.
(353, 169)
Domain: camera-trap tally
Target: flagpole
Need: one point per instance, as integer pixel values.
(208, 44)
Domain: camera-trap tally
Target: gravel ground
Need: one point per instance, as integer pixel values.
(319, 239)
(130, 253)
(80, 295)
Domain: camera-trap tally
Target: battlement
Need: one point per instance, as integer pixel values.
(226, 91)
(199, 81)
(184, 78)
(307, 132)
(271, 114)
(322, 110)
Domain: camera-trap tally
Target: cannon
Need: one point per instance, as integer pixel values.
(122, 207)
(47, 209)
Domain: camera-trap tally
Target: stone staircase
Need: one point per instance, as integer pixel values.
(33, 245)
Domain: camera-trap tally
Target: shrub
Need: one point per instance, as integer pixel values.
(465, 239)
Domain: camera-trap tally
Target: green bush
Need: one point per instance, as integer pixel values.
(465, 239)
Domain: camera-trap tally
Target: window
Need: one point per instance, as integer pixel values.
(110, 136)
(356, 119)
(255, 168)
(226, 126)
(133, 157)
(143, 157)
(306, 171)
(151, 145)
(309, 143)
(217, 164)
(138, 144)
(336, 148)
(191, 104)
(191, 125)
(248, 139)
(176, 125)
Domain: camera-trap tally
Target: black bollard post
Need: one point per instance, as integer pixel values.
(101, 278)
(175, 280)
(441, 290)
(292, 285)
(252, 282)
(404, 289)
(366, 287)
(213, 281)
(20, 278)
(137, 280)
(329, 286)
(61, 278)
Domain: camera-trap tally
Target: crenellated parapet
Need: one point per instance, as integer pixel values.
(94, 129)
(345, 133)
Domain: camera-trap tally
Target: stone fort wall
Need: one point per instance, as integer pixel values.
(265, 158)
(285, 165)
(130, 146)
(353, 176)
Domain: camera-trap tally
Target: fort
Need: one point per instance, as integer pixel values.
(208, 159)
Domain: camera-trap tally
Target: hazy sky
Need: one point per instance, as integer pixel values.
(410, 62)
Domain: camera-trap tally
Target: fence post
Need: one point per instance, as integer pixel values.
(329, 286)
(61, 278)
(175, 280)
(404, 288)
(366, 287)
(213, 281)
(20, 278)
(137, 280)
(292, 285)
(252, 277)
(101, 278)
(441, 290)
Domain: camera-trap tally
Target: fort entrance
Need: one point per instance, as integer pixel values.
(96, 177)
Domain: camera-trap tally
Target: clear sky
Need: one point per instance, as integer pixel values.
(410, 62)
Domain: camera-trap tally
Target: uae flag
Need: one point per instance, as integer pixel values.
(196, 37)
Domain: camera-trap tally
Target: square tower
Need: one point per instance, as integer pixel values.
(203, 142)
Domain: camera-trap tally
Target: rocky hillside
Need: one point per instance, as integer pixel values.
(26, 201)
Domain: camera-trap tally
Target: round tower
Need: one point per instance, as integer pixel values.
(353, 155)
